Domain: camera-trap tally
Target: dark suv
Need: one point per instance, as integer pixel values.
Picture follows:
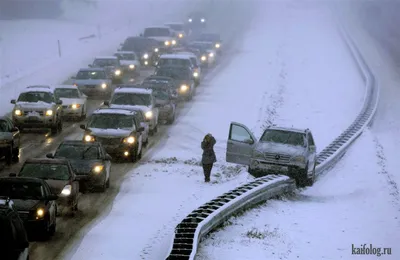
(10, 139)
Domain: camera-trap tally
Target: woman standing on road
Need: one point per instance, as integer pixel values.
(208, 158)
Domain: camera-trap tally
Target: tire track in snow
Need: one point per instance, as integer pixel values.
(382, 162)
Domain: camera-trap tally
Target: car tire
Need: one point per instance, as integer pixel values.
(145, 143)
(83, 114)
(15, 155)
(140, 154)
(108, 183)
(134, 155)
(9, 156)
(52, 229)
(302, 180)
(171, 120)
(102, 188)
(310, 181)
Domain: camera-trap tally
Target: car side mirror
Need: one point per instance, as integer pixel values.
(106, 103)
(248, 141)
(50, 156)
(52, 197)
(108, 157)
(82, 127)
(141, 129)
(59, 102)
(12, 175)
(13, 101)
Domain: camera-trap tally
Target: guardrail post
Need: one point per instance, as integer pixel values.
(59, 48)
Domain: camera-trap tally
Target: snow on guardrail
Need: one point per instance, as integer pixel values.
(207, 217)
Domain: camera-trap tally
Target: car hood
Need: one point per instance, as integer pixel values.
(129, 107)
(91, 81)
(129, 62)
(70, 101)
(162, 38)
(26, 204)
(57, 185)
(283, 149)
(99, 132)
(181, 82)
(6, 136)
(84, 166)
(35, 105)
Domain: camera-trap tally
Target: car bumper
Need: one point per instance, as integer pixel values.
(165, 113)
(262, 168)
(69, 112)
(118, 150)
(35, 226)
(65, 202)
(91, 180)
(34, 122)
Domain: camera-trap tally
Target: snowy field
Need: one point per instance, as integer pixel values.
(289, 76)
(29, 51)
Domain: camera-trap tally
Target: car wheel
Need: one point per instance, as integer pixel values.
(139, 156)
(108, 183)
(103, 187)
(15, 155)
(52, 229)
(8, 155)
(310, 181)
(171, 120)
(145, 143)
(134, 155)
(83, 114)
(302, 180)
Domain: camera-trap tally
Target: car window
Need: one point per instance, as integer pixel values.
(125, 56)
(111, 121)
(161, 94)
(283, 137)
(156, 32)
(21, 190)
(4, 126)
(36, 96)
(194, 61)
(139, 116)
(239, 133)
(131, 99)
(78, 151)
(174, 62)
(105, 62)
(310, 140)
(66, 93)
(176, 27)
(178, 74)
(91, 75)
(46, 171)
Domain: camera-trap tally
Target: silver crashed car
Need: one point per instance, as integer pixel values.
(279, 150)
(93, 82)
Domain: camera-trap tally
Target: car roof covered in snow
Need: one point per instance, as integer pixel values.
(81, 142)
(187, 53)
(174, 56)
(158, 27)
(47, 161)
(105, 58)
(112, 111)
(125, 52)
(134, 90)
(65, 87)
(41, 88)
(290, 129)
(201, 42)
(92, 69)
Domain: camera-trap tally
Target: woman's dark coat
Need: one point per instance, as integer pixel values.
(208, 151)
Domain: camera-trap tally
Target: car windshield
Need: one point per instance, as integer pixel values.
(78, 151)
(174, 62)
(46, 171)
(176, 27)
(204, 46)
(156, 32)
(36, 96)
(66, 93)
(105, 62)
(135, 43)
(21, 190)
(3, 126)
(85, 74)
(283, 137)
(179, 74)
(161, 94)
(209, 37)
(125, 56)
(111, 121)
(132, 99)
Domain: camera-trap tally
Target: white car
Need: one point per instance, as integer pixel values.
(74, 102)
(178, 28)
(131, 98)
(129, 61)
(162, 34)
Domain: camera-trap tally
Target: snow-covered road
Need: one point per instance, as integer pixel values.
(353, 203)
(291, 80)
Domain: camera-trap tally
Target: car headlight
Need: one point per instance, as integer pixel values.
(40, 212)
(75, 106)
(146, 63)
(180, 35)
(195, 74)
(49, 112)
(89, 138)
(98, 168)
(145, 56)
(104, 85)
(211, 55)
(202, 20)
(156, 50)
(167, 43)
(66, 191)
(148, 114)
(132, 66)
(173, 42)
(217, 45)
(130, 140)
(298, 159)
(184, 88)
(117, 72)
(18, 112)
(190, 20)
(203, 58)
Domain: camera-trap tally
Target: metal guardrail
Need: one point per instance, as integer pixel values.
(207, 217)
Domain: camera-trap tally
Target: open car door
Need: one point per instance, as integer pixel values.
(241, 142)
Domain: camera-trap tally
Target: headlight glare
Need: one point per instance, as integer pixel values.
(18, 112)
(203, 58)
(202, 20)
(98, 168)
(117, 72)
(211, 54)
(67, 190)
(104, 85)
(129, 140)
(173, 42)
(167, 43)
(145, 56)
(180, 35)
(217, 45)
(89, 138)
(148, 114)
(156, 50)
(184, 88)
(40, 212)
(195, 74)
(131, 66)
(49, 112)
